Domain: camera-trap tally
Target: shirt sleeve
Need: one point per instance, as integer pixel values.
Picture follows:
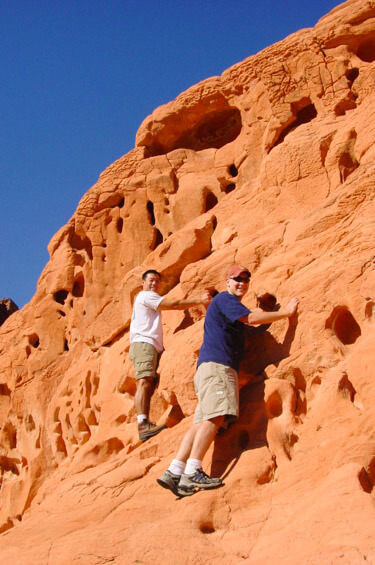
(151, 299)
(233, 309)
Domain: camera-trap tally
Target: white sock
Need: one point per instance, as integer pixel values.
(177, 467)
(192, 465)
(142, 418)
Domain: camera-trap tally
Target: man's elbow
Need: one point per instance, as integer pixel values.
(255, 319)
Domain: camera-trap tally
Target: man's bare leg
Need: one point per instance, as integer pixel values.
(204, 436)
(187, 443)
(145, 389)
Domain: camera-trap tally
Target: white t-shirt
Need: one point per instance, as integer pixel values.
(145, 324)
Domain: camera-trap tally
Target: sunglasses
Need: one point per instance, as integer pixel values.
(245, 280)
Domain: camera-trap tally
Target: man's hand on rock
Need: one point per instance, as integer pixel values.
(292, 306)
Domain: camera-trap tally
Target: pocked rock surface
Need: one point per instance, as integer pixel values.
(270, 165)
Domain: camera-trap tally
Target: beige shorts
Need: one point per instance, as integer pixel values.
(145, 359)
(216, 387)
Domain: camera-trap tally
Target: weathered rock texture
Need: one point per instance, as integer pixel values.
(270, 165)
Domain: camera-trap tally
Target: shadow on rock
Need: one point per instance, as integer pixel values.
(250, 430)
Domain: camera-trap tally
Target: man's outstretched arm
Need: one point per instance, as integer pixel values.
(182, 304)
(258, 316)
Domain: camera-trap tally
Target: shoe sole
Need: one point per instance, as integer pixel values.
(147, 435)
(202, 487)
(178, 491)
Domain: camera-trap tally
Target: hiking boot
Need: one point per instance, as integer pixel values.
(148, 429)
(170, 481)
(199, 480)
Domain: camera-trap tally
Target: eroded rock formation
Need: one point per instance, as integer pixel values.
(270, 165)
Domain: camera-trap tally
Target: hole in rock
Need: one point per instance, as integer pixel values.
(112, 445)
(82, 425)
(346, 388)
(120, 225)
(304, 112)
(343, 325)
(34, 340)
(61, 313)
(60, 445)
(158, 239)
(229, 188)
(79, 243)
(60, 296)
(66, 345)
(301, 404)
(95, 384)
(214, 130)
(29, 423)
(8, 464)
(299, 379)
(121, 203)
(4, 390)
(150, 209)
(352, 75)
(293, 438)
(366, 51)
(347, 165)
(274, 405)
(365, 481)
(210, 201)
(233, 171)
(91, 420)
(344, 106)
(214, 223)
(78, 286)
(369, 309)
(207, 528)
(11, 433)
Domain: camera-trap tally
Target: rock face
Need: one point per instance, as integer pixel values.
(270, 165)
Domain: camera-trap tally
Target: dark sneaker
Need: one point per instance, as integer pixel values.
(199, 480)
(171, 481)
(148, 429)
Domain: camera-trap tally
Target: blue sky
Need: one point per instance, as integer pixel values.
(78, 78)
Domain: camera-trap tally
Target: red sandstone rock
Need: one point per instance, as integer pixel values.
(270, 165)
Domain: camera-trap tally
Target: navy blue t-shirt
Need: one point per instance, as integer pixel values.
(223, 340)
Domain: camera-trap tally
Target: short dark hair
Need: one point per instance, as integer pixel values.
(150, 272)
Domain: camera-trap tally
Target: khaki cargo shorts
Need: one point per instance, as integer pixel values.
(145, 359)
(216, 387)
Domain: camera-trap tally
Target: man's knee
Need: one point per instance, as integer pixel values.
(146, 383)
(217, 421)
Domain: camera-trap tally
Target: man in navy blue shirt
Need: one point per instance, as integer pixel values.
(216, 380)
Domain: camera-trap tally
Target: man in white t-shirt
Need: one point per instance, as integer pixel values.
(146, 344)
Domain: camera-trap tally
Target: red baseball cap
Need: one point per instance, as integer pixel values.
(236, 270)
